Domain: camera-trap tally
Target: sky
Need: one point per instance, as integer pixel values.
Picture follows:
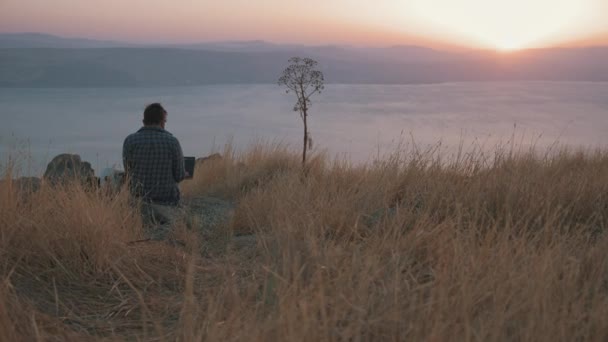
(492, 24)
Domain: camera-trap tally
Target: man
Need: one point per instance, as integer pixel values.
(154, 164)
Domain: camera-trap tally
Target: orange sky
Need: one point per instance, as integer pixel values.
(495, 24)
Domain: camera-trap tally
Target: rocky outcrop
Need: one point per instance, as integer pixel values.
(65, 168)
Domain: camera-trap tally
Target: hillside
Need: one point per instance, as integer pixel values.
(37, 61)
(408, 247)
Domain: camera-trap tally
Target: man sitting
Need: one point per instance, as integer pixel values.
(154, 164)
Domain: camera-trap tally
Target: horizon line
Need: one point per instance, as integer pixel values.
(436, 46)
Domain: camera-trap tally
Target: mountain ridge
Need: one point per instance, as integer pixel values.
(32, 63)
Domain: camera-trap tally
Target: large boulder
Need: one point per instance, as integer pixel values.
(65, 168)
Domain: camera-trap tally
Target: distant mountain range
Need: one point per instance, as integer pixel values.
(39, 60)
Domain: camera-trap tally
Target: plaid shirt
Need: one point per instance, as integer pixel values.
(154, 161)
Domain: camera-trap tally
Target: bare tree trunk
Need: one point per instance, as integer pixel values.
(304, 115)
(304, 118)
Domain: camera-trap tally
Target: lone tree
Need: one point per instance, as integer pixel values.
(301, 78)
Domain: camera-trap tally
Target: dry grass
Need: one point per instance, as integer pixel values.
(499, 246)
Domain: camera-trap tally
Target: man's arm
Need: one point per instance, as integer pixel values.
(179, 172)
(126, 156)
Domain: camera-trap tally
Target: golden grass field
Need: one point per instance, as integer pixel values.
(408, 247)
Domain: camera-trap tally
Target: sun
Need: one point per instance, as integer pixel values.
(507, 46)
(504, 25)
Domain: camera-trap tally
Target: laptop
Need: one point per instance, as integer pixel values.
(189, 166)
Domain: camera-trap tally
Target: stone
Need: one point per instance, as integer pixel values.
(69, 167)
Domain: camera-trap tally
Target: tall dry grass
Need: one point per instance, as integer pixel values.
(412, 246)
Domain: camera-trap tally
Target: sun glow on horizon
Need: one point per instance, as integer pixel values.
(504, 25)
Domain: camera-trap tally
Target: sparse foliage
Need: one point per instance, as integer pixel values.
(303, 79)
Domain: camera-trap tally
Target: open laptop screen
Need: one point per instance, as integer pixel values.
(189, 166)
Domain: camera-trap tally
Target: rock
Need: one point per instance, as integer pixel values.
(68, 167)
(209, 158)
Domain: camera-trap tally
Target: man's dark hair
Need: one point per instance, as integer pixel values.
(154, 114)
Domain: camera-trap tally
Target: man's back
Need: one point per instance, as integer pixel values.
(154, 162)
